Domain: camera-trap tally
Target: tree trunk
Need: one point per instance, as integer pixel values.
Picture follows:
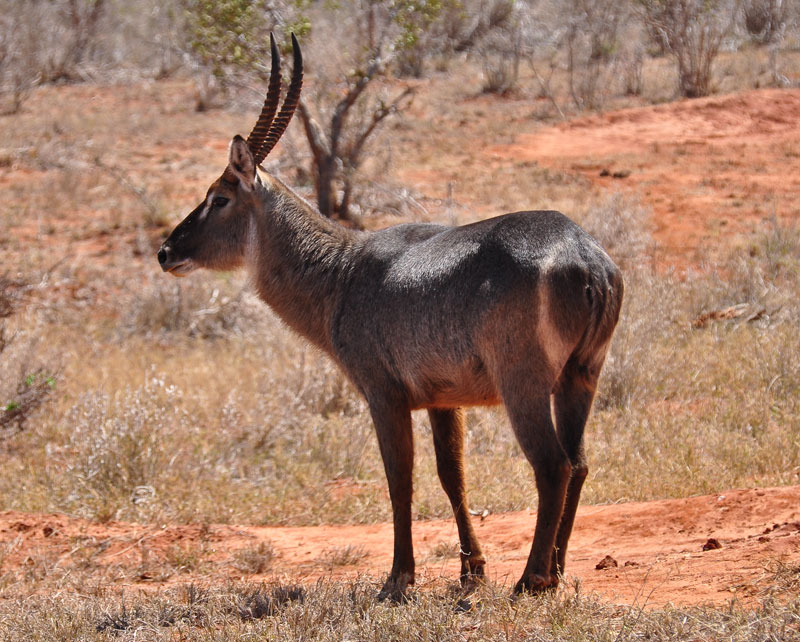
(324, 175)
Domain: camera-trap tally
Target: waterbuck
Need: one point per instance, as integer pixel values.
(517, 309)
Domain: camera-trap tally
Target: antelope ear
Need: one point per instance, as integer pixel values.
(241, 162)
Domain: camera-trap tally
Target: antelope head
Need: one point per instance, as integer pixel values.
(215, 234)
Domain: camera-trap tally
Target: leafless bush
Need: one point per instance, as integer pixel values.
(44, 41)
(78, 23)
(18, 71)
(191, 308)
(622, 226)
(51, 40)
(26, 382)
(765, 20)
(492, 29)
(255, 561)
(692, 32)
(500, 53)
(593, 45)
(631, 64)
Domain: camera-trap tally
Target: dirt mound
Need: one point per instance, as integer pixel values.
(713, 170)
(658, 546)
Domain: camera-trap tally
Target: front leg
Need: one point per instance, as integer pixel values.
(392, 418)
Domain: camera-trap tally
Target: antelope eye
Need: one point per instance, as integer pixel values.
(220, 201)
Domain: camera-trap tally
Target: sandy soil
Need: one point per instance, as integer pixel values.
(658, 546)
(713, 170)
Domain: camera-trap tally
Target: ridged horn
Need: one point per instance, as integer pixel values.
(255, 141)
(281, 121)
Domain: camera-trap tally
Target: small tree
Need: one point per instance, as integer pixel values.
(342, 112)
(227, 39)
(692, 32)
(338, 150)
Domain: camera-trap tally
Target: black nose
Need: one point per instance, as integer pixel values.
(162, 255)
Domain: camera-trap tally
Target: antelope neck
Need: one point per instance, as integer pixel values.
(299, 260)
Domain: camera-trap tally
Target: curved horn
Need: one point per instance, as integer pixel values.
(281, 121)
(256, 138)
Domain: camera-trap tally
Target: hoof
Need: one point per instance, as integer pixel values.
(472, 572)
(534, 583)
(395, 589)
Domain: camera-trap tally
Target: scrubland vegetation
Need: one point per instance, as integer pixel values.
(127, 395)
(348, 611)
(194, 403)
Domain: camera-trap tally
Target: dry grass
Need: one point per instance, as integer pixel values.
(336, 611)
(201, 406)
(255, 560)
(189, 401)
(343, 555)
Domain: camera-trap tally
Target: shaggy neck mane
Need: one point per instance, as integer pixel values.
(298, 260)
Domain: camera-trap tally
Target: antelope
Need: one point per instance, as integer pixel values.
(516, 310)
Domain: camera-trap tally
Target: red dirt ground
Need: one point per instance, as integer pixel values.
(658, 546)
(713, 170)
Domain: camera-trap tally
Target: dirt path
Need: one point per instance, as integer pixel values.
(658, 547)
(713, 170)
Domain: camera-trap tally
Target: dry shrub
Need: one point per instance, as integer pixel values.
(124, 451)
(48, 41)
(647, 322)
(631, 64)
(28, 378)
(255, 560)
(764, 276)
(621, 224)
(446, 549)
(692, 31)
(765, 20)
(343, 555)
(17, 36)
(500, 58)
(593, 45)
(650, 306)
(198, 307)
(500, 49)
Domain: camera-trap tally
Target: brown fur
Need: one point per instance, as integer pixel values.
(518, 309)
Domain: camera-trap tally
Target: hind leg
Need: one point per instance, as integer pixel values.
(528, 403)
(572, 401)
(448, 442)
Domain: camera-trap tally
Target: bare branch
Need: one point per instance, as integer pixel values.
(378, 117)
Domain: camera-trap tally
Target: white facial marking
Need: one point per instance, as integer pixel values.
(207, 208)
